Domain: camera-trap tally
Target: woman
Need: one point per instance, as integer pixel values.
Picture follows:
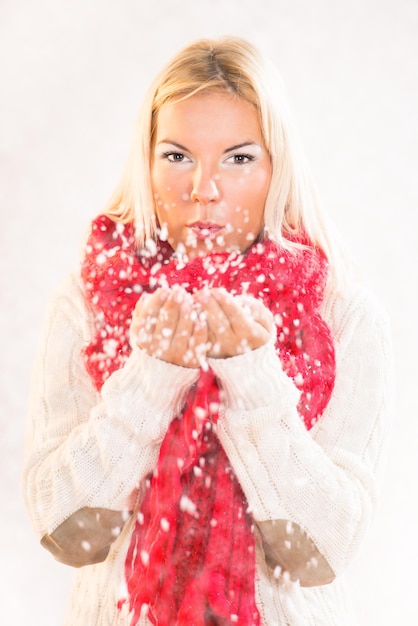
(211, 397)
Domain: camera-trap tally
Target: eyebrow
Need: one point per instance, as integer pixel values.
(235, 147)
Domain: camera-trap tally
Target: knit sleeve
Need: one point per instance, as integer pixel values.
(325, 479)
(84, 448)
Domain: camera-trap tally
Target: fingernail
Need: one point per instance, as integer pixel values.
(203, 295)
(164, 293)
(186, 304)
(178, 294)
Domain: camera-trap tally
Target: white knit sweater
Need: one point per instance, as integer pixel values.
(89, 449)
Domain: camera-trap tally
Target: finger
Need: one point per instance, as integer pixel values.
(212, 309)
(167, 322)
(249, 323)
(149, 304)
(243, 310)
(237, 315)
(258, 311)
(179, 335)
(199, 342)
(183, 329)
(189, 341)
(145, 315)
(221, 337)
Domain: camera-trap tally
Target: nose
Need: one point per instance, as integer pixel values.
(205, 187)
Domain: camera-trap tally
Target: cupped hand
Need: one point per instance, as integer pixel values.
(167, 325)
(236, 324)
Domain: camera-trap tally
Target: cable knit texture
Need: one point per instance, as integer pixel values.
(86, 448)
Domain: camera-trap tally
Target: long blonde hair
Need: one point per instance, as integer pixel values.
(227, 64)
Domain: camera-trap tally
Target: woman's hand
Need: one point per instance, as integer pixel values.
(236, 324)
(167, 325)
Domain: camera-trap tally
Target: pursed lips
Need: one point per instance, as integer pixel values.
(205, 229)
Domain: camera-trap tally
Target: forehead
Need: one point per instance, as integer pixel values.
(216, 115)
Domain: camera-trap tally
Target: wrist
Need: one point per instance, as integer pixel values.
(160, 383)
(253, 379)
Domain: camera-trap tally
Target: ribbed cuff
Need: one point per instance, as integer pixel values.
(160, 384)
(251, 380)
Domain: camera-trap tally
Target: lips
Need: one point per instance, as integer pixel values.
(205, 229)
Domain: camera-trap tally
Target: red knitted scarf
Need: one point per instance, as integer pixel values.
(191, 559)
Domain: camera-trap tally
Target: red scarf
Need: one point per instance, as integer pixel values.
(191, 558)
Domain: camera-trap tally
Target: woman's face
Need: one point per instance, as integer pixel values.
(210, 173)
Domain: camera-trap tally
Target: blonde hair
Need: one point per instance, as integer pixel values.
(234, 65)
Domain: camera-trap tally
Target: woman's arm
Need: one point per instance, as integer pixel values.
(324, 481)
(86, 450)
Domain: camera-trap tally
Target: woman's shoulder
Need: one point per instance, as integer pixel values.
(68, 290)
(353, 306)
(67, 303)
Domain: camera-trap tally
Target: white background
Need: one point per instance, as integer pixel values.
(72, 75)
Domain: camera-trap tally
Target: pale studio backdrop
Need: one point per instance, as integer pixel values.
(72, 75)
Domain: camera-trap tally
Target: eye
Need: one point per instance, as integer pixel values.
(240, 159)
(175, 157)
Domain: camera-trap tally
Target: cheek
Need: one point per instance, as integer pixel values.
(251, 217)
(160, 178)
(262, 182)
(166, 217)
(162, 192)
(160, 206)
(252, 194)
